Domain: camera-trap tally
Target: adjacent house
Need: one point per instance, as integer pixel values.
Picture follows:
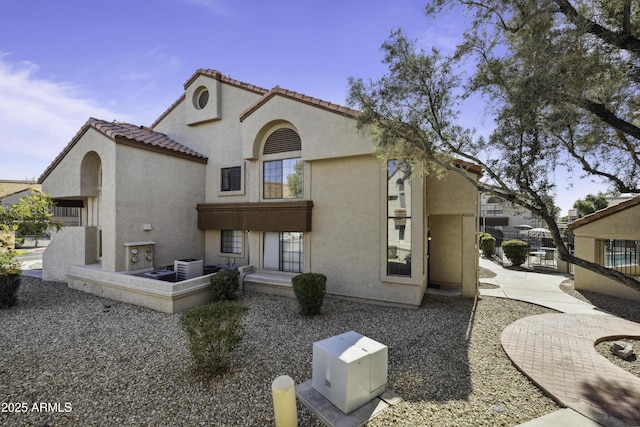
(11, 191)
(500, 214)
(271, 181)
(609, 237)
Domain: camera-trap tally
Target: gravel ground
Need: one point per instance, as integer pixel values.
(100, 362)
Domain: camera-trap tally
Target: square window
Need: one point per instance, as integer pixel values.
(231, 179)
(283, 179)
(231, 242)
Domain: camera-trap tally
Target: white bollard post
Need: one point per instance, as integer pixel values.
(284, 402)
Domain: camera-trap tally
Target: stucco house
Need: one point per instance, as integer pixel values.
(611, 238)
(271, 181)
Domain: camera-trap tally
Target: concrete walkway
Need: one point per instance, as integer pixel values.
(533, 287)
(556, 351)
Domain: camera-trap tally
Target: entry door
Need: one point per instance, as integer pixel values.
(445, 249)
(271, 258)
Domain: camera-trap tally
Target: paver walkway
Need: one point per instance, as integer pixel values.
(557, 350)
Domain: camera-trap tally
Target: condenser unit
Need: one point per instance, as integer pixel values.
(349, 370)
(188, 268)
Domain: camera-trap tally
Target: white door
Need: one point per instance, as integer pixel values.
(271, 258)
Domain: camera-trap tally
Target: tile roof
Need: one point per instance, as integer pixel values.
(224, 79)
(604, 212)
(277, 91)
(133, 135)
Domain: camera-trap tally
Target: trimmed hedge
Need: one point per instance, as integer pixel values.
(224, 285)
(488, 245)
(309, 289)
(516, 251)
(214, 331)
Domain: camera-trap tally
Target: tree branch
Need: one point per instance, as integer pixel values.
(623, 40)
(607, 116)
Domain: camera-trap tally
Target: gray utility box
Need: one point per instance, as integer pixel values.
(349, 370)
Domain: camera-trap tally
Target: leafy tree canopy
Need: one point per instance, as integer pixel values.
(561, 81)
(590, 204)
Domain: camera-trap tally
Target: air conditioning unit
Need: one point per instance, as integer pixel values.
(188, 268)
(349, 370)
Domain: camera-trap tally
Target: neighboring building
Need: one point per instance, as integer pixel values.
(12, 191)
(609, 237)
(271, 180)
(499, 214)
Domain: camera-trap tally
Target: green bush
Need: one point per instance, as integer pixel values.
(9, 284)
(214, 331)
(309, 289)
(224, 285)
(488, 245)
(516, 251)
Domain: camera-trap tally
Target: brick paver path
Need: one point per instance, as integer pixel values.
(556, 351)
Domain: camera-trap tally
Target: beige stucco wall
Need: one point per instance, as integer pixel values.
(349, 231)
(219, 140)
(138, 187)
(624, 225)
(324, 134)
(162, 191)
(452, 206)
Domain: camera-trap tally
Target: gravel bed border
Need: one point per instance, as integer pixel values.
(95, 361)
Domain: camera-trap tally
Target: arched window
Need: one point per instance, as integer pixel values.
(281, 141)
(283, 177)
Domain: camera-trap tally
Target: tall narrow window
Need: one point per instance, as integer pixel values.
(291, 244)
(398, 219)
(283, 179)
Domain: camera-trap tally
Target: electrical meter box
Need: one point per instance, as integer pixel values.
(349, 370)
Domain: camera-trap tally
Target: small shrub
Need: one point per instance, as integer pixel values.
(488, 245)
(309, 289)
(224, 285)
(516, 251)
(9, 274)
(9, 284)
(214, 331)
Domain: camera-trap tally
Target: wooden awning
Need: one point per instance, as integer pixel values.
(258, 216)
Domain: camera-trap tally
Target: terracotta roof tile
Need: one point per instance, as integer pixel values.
(326, 105)
(133, 135)
(604, 212)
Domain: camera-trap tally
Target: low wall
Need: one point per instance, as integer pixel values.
(156, 294)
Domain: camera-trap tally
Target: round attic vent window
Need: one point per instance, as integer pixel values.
(201, 98)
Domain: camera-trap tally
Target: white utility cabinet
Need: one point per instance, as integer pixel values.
(188, 268)
(349, 370)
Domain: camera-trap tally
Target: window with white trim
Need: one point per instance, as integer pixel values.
(283, 179)
(398, 219)
(231, 179)
(231, 242)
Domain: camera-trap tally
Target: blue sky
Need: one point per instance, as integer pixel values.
(64, 61)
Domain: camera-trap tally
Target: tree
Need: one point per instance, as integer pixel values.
(31, 216)
(590, 204)
(562, 84)
(296, 179)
